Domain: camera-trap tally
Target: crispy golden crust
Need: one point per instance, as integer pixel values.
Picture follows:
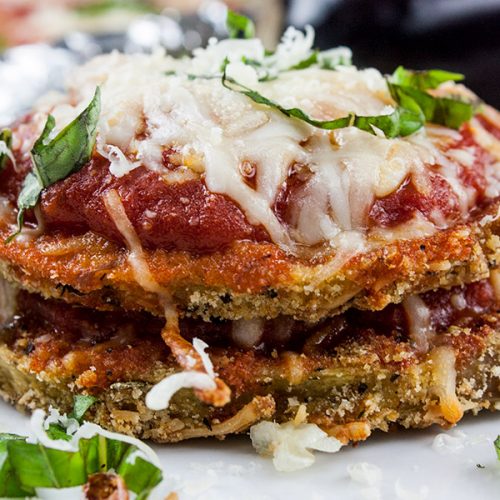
(368, 383)
(252, 279)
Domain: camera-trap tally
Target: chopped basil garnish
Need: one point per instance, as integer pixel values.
(239, 26)
(497, 446)
(403, 121)
(306, 63)
(423, 80)
(5, 146)
(81, 404)
(440, 110)
(415, 106)
(408, 88)
(327, 59)
(448, 111)
(56, 431)
(25, 466)
(57, 158)
(10, 486)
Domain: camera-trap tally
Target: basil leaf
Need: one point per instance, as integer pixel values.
(115, 452)
(239, 26)
(497, 446)
(440, 110)
(5, 146)
(55, 159)
(71, 149)
(403, 121)
(9, 484)
(56, 431)
(422, 80)
(101, 454)
(306, 63)
(25, 466)
(81, 403)
(7, 436)
(140, 476)
(37, 466)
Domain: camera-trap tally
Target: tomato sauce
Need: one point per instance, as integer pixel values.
(183, 216)
(186, 216)
(402, 205)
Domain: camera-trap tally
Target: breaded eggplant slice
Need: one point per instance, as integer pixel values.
(236, 210)
(252, 279)
(356, 373)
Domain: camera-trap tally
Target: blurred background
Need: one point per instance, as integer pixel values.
(41, 39)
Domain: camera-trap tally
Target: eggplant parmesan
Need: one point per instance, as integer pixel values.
(208, 242)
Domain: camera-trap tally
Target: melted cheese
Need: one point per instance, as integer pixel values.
(444, 378)
(247, 333)
(158, 398)
(200, 347)
(136, 258)
(149, 105)
(419, 322)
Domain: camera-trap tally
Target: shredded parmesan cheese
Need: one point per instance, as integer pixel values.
(158, 398)
(200, 347)
(289, 445)
(149, 105)
(120, 165)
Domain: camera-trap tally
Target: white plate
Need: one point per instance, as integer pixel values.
(411, 467)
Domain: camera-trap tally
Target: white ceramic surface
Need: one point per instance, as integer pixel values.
(411, 467)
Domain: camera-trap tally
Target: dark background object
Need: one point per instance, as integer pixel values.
(457, 35)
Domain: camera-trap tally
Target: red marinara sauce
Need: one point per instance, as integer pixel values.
(401, 205)
(183, 216)
(187, 216)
